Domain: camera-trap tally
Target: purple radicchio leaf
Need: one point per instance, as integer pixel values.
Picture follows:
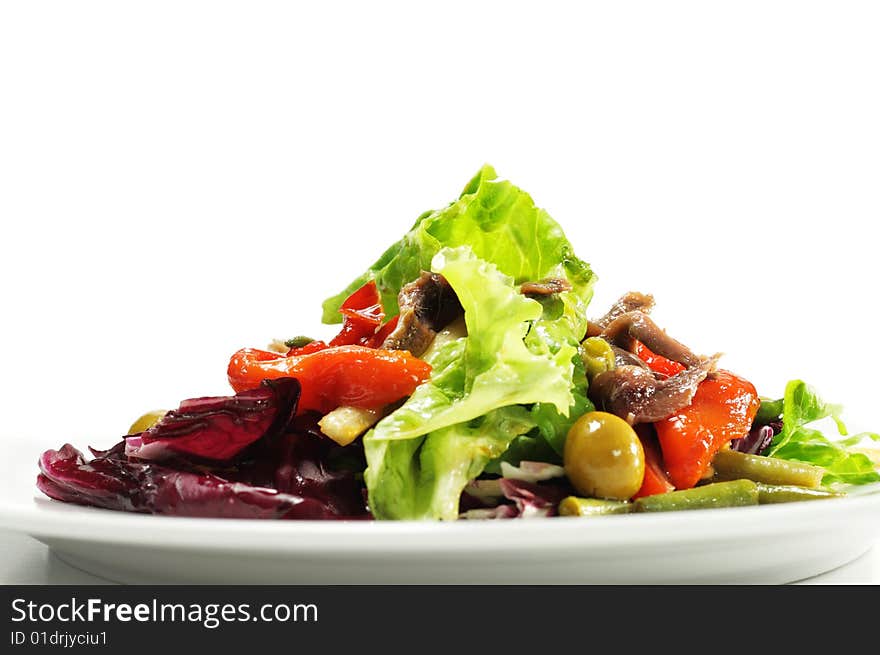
(65, 475)
(498, 512)
(531, 471)
(305, 462)
(254, 460)
(113, 482)
(218, 428)
(481, 494)
(758, 439)
(519, 499)
(533, 499)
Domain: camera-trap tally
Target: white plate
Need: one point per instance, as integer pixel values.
(749, 545)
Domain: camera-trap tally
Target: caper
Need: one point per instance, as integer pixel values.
(603, 457)
(146, 421)
(298, 342)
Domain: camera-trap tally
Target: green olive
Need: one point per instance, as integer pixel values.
(146, 421)
(603, 457)
(597, 356)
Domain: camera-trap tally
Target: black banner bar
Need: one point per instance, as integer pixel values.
(244, 619)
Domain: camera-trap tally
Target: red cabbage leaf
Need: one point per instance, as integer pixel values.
(218, 428)
(234, 457)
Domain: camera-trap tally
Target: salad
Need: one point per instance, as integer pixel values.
(466, 381)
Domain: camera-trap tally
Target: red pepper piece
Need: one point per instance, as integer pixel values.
(656, 481)
(722, 409)
(657, 363)
(361, 324)
(357, 376)
(378, 339)
(311, 347)
(363, 315)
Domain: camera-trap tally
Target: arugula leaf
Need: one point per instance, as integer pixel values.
(801, 406)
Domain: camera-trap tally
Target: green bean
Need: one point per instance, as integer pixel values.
(733, 465)
(774, 493)
(574, 506)
(734, 493)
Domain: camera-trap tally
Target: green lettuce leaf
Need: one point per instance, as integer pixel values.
(515, 378)
(552, 425)
(561, 324)
(501, 225)
(449, 427)
(493, 366)
(557, 329)
(801, 406)
(423, 477)
(531, 447)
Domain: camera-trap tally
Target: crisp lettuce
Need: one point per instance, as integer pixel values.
(561, 324)
(450, 426)
(491, 367)
(561, 327)
(423, 477)
(801, 405)
(552, 425)
(499, 222)
(532, 447)
(515, 378)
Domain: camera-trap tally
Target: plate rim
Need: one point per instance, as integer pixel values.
(24, 509)
(49, 519)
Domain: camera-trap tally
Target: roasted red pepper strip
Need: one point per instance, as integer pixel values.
(311, 347)
(363, 315)
(362, 323)
(657, 363)
(722, 409)
(345, 375)
(378, 339)
(655, 481)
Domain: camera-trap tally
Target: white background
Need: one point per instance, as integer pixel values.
(179, 179)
